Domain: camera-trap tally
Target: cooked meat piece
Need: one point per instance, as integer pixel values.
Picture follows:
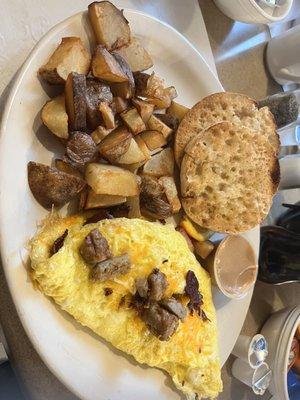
(158, 284)
(111, 268)
(96, 92)
(174, 307)
(142, 287)
(81, 148)
(99, 216)
(170, 120)
(153, 199)
(159, 321)
(94, 248)
(192, 291)
(59, 242)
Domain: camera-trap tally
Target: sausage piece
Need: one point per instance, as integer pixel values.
(94, 248)
(111, 268)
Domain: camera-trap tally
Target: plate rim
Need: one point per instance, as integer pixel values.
(16, 80)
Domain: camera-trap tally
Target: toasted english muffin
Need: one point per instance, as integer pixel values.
(225, 106)
(190, 356)
(229, 175)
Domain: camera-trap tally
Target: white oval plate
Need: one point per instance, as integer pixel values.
(87, 365)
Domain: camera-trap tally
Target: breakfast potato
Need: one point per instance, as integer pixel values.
(107, 115)
(133, 155)
(125, 90)
(133, 120)
(155, 124)
(50, 186)
(161, 164)
(170, 120)
(55, 117)
(100, 133)
(114, 145)
(145, 109)
(171, 193)
(120, 104)
(177, 110)
(136, 56)
(110, 27)
(70, 56)
(153, 139)
(96, 92)
(203, 249)
(75, 97)
(134, 207)
(106, 67)
(80, 149)
(143, 146)
(66, 167)
(194, 231)
(94, 200)
(109, 179)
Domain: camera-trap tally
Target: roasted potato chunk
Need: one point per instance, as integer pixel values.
(100, 133)
(153, 199)
(70, 56)
(110, 26)
(113, 146)
(81, 148)
(66, 167)
(143, 146)
(133, 155)
(203, 249)
(145, 109)
(106, 67)
(107, 115)
(155, 124)
(55, 117)
(75, 91)
(177, 110)
(50, 186)
(95, 200)
(136, 56)
(171, 193)
(96, 92)
(126, 90)
(162, 164)
(120, 104)
(109, 179)
(170, 120)
(133, 120)
(153, 139)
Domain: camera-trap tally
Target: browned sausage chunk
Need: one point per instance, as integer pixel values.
(94, 248)
(174, 307)
(157, 284)
(111, 268)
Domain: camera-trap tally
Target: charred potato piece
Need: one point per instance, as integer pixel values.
(145, 109)
(100, 133)
(55, 117)
(203, 249)
(134, 207)
(153, 139)
(75, 90)
(136, 56)
(133, 155)
(70, 56)
(96, 92)
(155, 124)
(109, 179)
(162, 164)
(120, 104)
(171, 193)
(66, 167)
(170, 120)
(106, 67)
(50, 186)
(141, 80)
(107, 115)
(153, 198)
(110, 26)
(114, 145)
(133, 120)
(81, 148)
(95, 200)
(126, 90)
(177, 110)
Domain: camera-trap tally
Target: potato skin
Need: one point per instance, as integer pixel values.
(50, 186)
(96, 92)
(75, 97)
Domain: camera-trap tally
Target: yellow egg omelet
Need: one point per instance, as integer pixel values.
(190, 356)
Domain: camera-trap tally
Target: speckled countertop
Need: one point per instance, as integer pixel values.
(238, 50)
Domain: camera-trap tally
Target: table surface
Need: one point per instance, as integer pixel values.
(238, 50)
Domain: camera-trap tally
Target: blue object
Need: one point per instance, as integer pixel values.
(293, 381)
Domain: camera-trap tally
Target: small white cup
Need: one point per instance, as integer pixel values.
(252, 377)
(283, 56)
(244, 350)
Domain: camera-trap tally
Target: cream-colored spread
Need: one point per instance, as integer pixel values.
(235, 266)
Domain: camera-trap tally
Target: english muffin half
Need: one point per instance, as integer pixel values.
(225, 106)
(229, 175)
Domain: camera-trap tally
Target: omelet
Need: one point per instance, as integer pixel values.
(190, 356)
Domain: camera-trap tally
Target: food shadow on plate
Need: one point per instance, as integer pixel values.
(113, 371)
(219, 299)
